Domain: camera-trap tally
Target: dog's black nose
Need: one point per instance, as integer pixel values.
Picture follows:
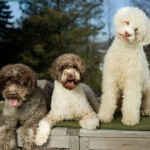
(70, 76)
(12, 94)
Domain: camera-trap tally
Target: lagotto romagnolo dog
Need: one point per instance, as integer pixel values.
(25, 105)
(126, 68)
(69, 101)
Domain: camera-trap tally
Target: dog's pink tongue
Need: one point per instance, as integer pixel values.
(70, 84)
(12, 102)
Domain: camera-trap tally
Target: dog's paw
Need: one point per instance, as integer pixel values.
(105, 118)
(90, 122)
(145, 112)
(43, 133)
(130, 121)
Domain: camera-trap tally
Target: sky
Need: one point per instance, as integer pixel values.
(110, 7)
(116, 4)
(14, 6)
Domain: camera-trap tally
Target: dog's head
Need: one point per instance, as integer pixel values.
(69, 70)
(16, 82)
(132, 25)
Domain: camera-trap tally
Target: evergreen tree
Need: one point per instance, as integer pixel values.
(5, 15)
(5, 30)
(50, 28)
(144, 5)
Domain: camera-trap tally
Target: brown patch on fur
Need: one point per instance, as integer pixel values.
(67, 61)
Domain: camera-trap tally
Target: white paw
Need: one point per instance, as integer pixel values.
(105, 118)
(43, 133)
(130, 121)
(89, 123)
(145, 112)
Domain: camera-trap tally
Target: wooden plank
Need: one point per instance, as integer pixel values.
(58, 142)
(58, 138)
(74, 143)
(73, 131)
(73, 138)
(114, 133)
(119, 144)
(84, 143)
(59, 131)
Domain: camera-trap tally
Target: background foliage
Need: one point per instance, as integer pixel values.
(49, 28)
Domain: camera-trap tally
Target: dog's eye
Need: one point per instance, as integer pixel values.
(136, 29)
(126, 23)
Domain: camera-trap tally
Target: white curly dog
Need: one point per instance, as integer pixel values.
(126, 68)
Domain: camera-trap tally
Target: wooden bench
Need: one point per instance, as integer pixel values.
(80, 139)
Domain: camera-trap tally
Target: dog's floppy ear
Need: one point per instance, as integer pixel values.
(30, 77)
(146, 37)
(2, 80)
(31, 83)
(81, 67)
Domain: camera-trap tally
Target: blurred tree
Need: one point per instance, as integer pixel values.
(5, 15)
(144, 5)
(5, 30)
(52, 27)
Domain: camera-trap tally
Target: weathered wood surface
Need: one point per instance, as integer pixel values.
(75, 139)
(114, 133)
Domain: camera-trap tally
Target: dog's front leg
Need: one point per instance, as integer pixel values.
(108, 100)
(132, 96)
(29, 130)
(8, 136)
(145, 109)
(44, 128)
(28, 136)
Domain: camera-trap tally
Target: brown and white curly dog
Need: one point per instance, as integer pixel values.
(25, 104)
(69, 101)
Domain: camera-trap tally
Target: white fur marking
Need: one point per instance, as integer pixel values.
(43, 132)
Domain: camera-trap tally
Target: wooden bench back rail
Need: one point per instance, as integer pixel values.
(80, 139)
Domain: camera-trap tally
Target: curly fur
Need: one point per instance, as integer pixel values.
(25, 104)
(126, 68)
(69, 101)
(67, 61)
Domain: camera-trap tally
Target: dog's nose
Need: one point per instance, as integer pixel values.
(127, 34)
(12, 94)
(70, 76)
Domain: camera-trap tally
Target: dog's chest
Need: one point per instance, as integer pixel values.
(69, 103)
(126, 61)
(27, 110)
(124, 64)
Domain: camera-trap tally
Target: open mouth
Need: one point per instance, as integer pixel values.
(70, 84)
(13, 102)
(123, 36)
